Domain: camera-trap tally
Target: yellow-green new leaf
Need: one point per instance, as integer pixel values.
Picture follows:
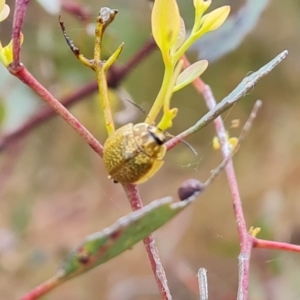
(167, 120)
(165, 20)
(6, 53)
(200, 8)
(215, 19)
(190, 74)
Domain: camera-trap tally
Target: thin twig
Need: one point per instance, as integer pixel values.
(237, 203)
(19, 15)
(265, 244)
(202, 282)
(150, 245)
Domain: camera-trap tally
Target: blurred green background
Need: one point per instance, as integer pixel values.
(54, 189)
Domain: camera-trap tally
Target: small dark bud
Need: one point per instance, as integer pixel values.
(83, 257)
(190, 187)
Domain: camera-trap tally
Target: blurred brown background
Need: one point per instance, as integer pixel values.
(54, 189)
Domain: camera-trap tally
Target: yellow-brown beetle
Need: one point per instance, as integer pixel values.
(134, 153)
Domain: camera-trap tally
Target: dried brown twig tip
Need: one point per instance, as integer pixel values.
(189, 188)
(74, 49)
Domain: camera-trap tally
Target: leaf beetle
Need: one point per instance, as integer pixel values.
(134, 153)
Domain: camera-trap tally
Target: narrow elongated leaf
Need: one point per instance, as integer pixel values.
(248, 82)
(190, 74)
(165, 20)
(102, 246)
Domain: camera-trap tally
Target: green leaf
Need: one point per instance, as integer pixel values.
(102, 246)
(165, 20)
(215, 19)
(190, 74)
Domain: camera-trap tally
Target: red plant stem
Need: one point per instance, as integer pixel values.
(150, 245)
(42, 289)
(24, 75)
(245, 242)
(258, 243)
(237, 203)
(19, 15)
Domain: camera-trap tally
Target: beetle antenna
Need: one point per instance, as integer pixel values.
(190, 147)
(185, 143)
(136, 105)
